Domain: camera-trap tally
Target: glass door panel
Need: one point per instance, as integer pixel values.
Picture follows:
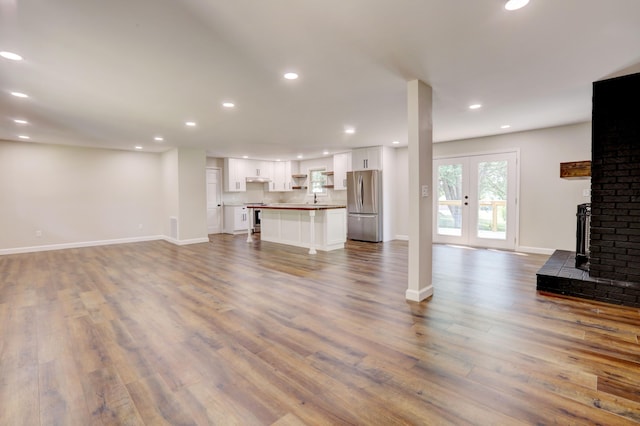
(492, 200)
(449, 215)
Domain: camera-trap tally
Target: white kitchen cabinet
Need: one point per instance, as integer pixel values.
(235, 177)
(341, 165)
(236, 219)
(367, 158)
(257, 168)
(281, 179)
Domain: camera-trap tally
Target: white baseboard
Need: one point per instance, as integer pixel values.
(402, 237)
(186, 242)
(535, 250)
(81, 244)
(419, 296)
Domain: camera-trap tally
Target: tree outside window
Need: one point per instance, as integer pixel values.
(317, 181)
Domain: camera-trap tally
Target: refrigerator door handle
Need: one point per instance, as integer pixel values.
(361, 192)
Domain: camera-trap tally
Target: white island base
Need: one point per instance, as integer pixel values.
(294, 227)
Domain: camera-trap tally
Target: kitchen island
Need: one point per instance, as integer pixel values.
(313, 226)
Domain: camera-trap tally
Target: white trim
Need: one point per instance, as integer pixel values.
(419, 296)
(82, 244)
(534, 250)
(186, 242)
(402, 237)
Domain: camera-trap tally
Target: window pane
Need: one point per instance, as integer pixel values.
(317, 181)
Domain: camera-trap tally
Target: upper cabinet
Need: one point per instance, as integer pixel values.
(341, 165)
(367, 158)
(235, 176)
(281, 179)
(261, 169)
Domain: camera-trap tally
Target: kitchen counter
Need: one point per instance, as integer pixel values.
(313, 226)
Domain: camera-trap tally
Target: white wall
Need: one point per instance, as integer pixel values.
(192, 191)
(170, 195)
(76, 195)
(547, 203)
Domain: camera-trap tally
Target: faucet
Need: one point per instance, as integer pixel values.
(315, 198)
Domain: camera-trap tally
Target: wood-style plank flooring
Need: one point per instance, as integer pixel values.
(257, 334)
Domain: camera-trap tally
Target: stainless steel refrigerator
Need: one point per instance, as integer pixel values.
(364, 205)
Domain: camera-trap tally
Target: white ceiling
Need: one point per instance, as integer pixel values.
(116, 73)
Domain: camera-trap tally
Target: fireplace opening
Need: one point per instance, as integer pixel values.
(583, 231)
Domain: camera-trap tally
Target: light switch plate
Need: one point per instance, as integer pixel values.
(425, 191)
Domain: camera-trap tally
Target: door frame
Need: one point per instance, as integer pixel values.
(516, 186)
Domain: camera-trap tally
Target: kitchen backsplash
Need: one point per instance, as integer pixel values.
(256, 194)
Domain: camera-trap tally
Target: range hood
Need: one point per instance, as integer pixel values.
(257, 179)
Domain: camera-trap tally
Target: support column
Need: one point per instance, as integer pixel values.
(420, 128)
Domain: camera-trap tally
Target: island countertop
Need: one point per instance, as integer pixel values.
(295, 206)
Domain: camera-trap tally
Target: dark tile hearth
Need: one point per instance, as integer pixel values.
(559, 275)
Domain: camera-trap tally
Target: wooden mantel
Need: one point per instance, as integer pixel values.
(575, 170)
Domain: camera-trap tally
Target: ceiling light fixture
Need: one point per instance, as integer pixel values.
(228, 104)
(19, 95)
(10, 55)
(245, 156)
(17, 121)
(505, 126)
(475, 106)
(291, 76)
(350, 131)
(395, 142)
(190, 123)
(515, 4)
(325, 152)
(158, 139)
(138, 147)
(24, 137)
(299, 156)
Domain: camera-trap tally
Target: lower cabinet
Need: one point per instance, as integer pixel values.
(236, 219)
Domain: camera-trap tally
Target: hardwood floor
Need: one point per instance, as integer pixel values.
(236, 333)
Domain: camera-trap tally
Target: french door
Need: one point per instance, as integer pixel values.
(476, 200)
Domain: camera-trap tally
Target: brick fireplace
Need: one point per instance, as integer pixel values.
(615, 180)
(614, 258)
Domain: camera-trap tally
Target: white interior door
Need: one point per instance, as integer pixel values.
(476, 200)
(214, 201)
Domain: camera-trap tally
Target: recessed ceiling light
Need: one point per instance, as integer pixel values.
(291, 76)
(11, 55)
(245, 156)
(300, 156)
(350, 130)
(17, 121)
(138, 147)
(228, 104)
(505, 126)
(325, 152)
(19, 95)
(24, 137)
(395, 142)
(515, 4)
(158, 138)
(278, 159)
(190, 123)
(475, 106)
